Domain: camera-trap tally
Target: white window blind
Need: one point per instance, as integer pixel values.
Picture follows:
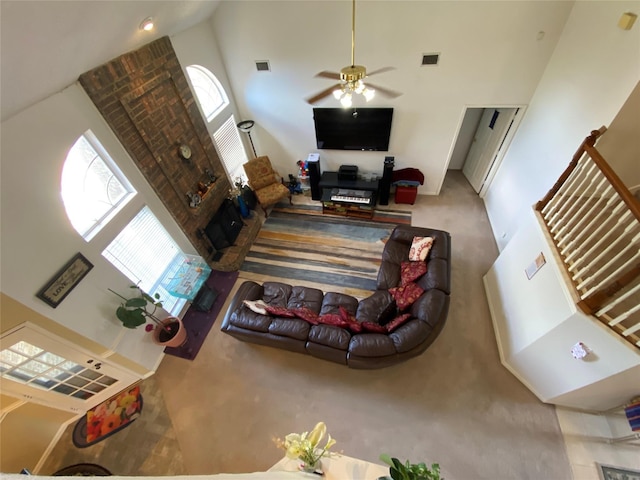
(231, 149)
(144, 251)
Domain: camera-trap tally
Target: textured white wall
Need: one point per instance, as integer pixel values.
(593, 70)
(489, 56)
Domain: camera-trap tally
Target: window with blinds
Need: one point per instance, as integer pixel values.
(144, 252)
(231, 149)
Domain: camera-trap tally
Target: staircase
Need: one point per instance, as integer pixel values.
(593, 220)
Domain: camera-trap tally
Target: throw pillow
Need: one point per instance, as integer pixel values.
(279, 311)
(305, 313)
(371, 327)
(406, 295)
(355, 327)
(350, 320)
(410, 271)
(332, 319)
(257, 306)
(396, 322)
(420, 248)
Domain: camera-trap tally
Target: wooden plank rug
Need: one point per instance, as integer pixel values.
(300, 246)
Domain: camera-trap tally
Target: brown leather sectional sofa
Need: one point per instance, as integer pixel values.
(366, 349)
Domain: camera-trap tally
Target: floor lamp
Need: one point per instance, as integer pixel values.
(246, 126)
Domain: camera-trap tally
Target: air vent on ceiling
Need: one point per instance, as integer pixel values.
(430, 58)
(263, 66)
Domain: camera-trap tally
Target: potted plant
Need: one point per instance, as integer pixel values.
(135, 311)
(410, 471)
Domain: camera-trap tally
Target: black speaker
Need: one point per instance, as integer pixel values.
(314, 179)
(385, 184)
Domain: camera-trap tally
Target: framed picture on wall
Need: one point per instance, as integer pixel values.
(64, 280)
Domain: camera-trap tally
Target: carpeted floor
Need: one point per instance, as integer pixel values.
(320, 251)
(455, 404)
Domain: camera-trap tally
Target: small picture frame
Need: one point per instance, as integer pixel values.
(64, 280)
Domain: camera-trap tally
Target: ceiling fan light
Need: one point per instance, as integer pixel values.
(369, 93)
(346, 100)
(359, 88)
(337, 93)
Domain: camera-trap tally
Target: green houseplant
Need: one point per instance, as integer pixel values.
(135, 311)
(410, 471)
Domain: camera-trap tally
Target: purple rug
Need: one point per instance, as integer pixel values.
(199, 323)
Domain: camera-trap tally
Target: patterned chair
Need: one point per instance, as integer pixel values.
(265, 182)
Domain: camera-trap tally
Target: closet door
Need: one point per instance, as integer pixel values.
(40, 367)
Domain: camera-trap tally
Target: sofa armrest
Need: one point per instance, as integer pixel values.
(249, 290)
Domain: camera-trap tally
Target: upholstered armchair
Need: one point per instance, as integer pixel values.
(265, 182)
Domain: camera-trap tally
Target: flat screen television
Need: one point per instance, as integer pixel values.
(353, 128)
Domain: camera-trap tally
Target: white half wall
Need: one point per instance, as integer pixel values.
(536, 323)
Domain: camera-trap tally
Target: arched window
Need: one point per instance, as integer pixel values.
(93, 188)
(208, 90)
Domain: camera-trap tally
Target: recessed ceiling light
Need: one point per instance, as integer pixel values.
(147, 24)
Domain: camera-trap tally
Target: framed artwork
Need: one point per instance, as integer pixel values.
(64, 280)
(609, 472)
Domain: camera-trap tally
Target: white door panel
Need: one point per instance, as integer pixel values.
(40, 367)
(491, 131)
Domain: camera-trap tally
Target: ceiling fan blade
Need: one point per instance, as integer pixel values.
(384, 91)
(331, 75)
(324, 93)
(381, 70)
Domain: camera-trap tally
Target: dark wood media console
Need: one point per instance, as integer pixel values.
(330, 181)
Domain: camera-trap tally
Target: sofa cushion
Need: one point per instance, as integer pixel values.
(406, 295)
(332, 302)
(431, 307)
(371, 345)
(379, 307)
(420, 247)
(305, 297)
(245, 318)
(276, 293)
(437, 276)
(388, 275)
(410, 335)
(330, 336)
(290, 327)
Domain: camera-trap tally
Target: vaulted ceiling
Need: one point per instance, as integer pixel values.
(46, 45)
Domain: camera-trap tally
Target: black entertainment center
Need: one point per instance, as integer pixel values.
(348, 197)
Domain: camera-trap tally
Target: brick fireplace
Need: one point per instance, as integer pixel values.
(145, 98)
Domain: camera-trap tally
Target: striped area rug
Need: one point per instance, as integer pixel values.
(300, 246)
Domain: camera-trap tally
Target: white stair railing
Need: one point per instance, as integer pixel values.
(594, 221)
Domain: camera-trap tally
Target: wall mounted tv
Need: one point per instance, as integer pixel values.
(353, 128)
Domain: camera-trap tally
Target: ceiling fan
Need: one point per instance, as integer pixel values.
(352, 77)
